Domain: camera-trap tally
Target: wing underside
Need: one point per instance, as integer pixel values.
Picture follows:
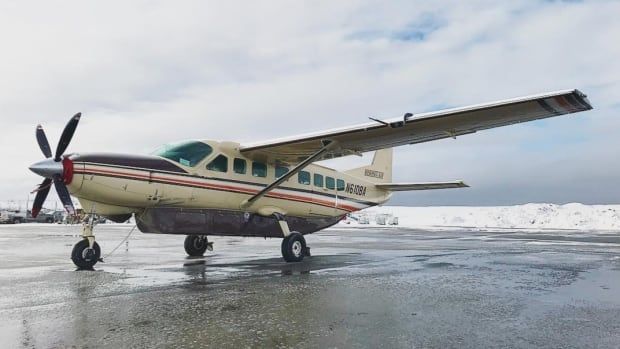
(412, 129)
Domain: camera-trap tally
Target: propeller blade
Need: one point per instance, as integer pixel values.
(66, 136)
(44, 189)
(63, 194)
(43, 143)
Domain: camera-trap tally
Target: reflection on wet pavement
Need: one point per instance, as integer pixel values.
(362, 288)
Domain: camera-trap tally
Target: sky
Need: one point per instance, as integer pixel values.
(144, 73)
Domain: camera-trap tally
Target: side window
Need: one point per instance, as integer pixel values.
(281, 171)
(303, 177)
(219, 164)
(340, 184)
(240, 166)
(330, 183)
(318, 180)
(259, 169)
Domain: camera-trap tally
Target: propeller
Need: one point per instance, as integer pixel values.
(53, 169)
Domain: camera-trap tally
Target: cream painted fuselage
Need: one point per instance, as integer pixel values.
(170, 197)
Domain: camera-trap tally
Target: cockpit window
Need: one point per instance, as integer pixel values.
(188, 153)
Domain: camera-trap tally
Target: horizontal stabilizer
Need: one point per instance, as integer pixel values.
(421, 186)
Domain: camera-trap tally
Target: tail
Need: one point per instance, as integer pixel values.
(379, 171)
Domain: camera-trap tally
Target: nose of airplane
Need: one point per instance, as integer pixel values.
(47, 168)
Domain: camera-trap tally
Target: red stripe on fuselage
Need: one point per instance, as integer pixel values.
(220, 187)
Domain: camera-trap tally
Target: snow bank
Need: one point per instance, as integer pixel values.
(530, 216)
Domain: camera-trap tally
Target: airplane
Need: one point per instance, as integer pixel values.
(272, 188)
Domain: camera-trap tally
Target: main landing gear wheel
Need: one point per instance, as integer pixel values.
(196, 245)
(85, 257)
(294, 247)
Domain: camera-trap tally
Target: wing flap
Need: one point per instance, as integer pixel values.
(412, 129)
(421, 186)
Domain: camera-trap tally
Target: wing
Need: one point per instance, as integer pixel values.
(421, 186)
(419, 128)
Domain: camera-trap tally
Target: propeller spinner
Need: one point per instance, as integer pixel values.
(53, 169)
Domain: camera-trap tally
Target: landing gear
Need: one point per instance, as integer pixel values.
(86, 253)
(196, 245)
(294, 247)
(85, 257)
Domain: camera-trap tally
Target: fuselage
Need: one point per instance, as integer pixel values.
(212, 175)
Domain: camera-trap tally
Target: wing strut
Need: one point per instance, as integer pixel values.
(327, 145)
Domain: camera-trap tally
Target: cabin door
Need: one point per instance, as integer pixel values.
(324, 189)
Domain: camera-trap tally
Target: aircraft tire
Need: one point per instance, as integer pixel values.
(84, 259)
(196, 245)
(294, 247)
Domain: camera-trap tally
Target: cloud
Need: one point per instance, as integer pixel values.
(148, 72)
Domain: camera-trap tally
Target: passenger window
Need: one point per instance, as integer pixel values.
(259, 169)
(303, 177)
(318, 180)
(281, 171)
(340, 184)
(330, 183)
(219, 164)
(239, 166)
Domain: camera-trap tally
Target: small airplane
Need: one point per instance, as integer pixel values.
(266, 189)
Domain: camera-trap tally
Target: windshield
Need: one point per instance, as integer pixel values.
(188, 153)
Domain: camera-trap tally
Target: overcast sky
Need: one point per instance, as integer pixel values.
(145, 73)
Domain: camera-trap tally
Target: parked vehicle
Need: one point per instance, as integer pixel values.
(45, 217)
(12, 216)
(363, 219)
(392, 220)
(381, 218)
(19, 216)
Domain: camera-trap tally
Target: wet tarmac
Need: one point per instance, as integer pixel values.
(393, 288)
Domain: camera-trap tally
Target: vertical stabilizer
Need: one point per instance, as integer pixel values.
(380, 171)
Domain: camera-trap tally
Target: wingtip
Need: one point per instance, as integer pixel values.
(583, 99)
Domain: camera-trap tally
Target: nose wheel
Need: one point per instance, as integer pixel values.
(84, 256)
(86, 253)
(294, 247)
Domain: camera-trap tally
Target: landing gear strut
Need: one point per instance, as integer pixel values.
(86, 253)
(294, 247)
(196, 245)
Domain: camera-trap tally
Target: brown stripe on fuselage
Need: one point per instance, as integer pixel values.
(219, 187)
(147, 162)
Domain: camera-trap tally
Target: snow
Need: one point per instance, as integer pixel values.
(572, 216)
(538, 217)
